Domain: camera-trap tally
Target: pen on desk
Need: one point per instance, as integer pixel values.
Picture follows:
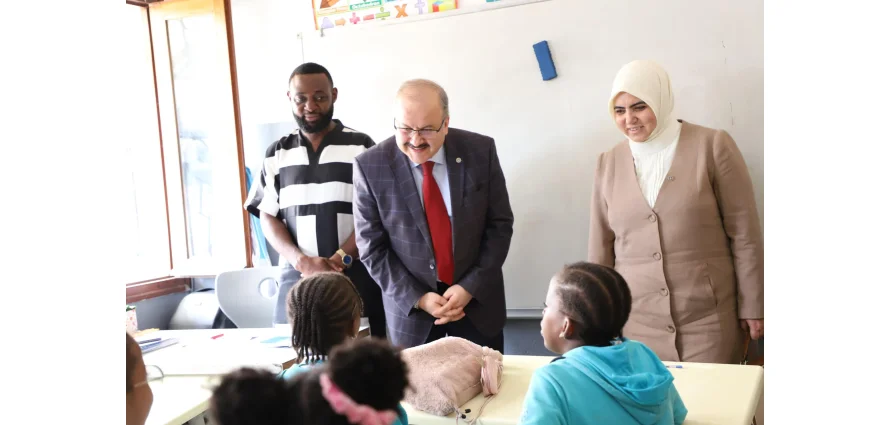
(149, 341)
(216, 336)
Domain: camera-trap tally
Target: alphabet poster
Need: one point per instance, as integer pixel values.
(341, 13)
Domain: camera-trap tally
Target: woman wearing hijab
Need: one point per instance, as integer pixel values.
(673, 211)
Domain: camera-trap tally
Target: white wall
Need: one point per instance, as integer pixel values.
(267, 49)
(548, 133)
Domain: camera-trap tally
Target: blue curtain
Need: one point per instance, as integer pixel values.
(262, 252)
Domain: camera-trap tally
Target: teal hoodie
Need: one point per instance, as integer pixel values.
(620, 384)
(299, 368)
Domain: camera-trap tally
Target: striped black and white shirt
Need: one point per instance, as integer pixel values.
(311, 191)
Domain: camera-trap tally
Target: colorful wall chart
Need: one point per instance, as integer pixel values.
(341, 13)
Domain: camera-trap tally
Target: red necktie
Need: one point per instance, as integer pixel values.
(440, 224)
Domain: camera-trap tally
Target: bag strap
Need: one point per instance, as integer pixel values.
(492, 370)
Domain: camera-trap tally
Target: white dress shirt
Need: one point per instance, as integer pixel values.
(440, 173)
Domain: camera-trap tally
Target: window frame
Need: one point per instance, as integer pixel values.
(228, 154)
(238, 251)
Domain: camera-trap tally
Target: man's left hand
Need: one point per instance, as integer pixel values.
(338, 262)
(754, 326)
(457, 297)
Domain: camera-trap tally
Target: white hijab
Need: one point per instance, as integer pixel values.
(648, 81)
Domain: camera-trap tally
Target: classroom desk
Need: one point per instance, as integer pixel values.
(713, 394)
(179, 399)
(197, 353)
(192, 367)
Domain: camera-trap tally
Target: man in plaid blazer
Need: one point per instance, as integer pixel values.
(433, 224)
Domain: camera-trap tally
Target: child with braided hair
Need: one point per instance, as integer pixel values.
(600, 376)
(324, 311)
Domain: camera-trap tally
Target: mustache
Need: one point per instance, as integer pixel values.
(424, 145)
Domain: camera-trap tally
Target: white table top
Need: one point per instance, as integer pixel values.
(192, 367)
(713, 394)
(178, 399)
(197, 353)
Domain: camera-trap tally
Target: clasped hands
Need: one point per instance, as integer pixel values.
(448, 307)
(307, 265)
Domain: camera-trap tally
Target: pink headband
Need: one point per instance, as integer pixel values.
(358, 414)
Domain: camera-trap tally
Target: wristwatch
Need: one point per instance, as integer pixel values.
(347, 259)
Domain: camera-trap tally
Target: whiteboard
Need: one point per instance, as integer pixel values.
(549, 133)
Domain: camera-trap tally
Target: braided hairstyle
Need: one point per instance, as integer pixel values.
(597, 299)
(322, 310)
(369, 370)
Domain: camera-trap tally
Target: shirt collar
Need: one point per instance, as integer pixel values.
(438, 158)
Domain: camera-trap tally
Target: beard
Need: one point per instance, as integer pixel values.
(322, 124)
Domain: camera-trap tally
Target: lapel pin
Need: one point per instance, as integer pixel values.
(458, 160)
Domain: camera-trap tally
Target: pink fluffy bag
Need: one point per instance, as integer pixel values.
(447, 373)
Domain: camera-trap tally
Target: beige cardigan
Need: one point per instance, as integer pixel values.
(694, 262)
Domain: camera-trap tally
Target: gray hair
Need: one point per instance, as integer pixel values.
(418, 83)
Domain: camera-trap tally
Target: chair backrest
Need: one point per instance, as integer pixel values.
(248, 296)
(197, 310)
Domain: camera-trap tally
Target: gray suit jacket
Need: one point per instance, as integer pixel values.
(394, 242)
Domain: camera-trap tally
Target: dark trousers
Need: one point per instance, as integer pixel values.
(463, 328)
(372, 298)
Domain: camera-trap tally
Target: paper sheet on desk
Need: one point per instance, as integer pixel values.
(203, 369)
(212, 362)
(219, 358)
(276, 342)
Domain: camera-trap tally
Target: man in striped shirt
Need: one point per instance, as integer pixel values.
(304, 194)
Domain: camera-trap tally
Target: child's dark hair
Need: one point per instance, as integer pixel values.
(322, 310)
(597, 299)
(133, 352)
(368, 370)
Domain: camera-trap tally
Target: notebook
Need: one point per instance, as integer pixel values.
(154, 344)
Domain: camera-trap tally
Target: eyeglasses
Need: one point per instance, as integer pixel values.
(152, 373)
(409, 132)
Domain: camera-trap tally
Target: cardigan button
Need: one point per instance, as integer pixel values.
(664, 291)
(656, 256)
(652, 218)
(671, 329)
